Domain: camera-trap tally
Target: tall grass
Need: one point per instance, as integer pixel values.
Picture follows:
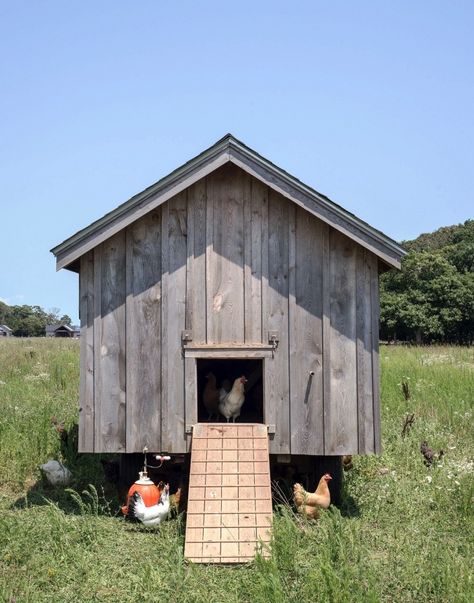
(405, 531)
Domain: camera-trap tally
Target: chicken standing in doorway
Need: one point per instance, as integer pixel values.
(231, 404)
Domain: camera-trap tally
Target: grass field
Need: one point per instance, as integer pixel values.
(405, 532)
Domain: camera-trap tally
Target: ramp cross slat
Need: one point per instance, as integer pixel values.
(229, 502)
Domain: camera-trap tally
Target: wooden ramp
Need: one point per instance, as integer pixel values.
(229, 501)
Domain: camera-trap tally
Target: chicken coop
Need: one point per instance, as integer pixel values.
(229, 265)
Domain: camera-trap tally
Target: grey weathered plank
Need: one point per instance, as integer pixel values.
(209, 229)
(191, 390)
(255, 203)
(326, 326)
(196, 262)
(341, 433)
(364, 352)
(225, 278)
(86, 395)
(306, 345)
(111, 383)
(174, 231)
(163, 344)
(260, 194)
(247, 261)
(143, 316)
(277, 369)
(97, 343)
(375, 312)
(223, 351)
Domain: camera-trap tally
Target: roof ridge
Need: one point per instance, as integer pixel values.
(228, 149)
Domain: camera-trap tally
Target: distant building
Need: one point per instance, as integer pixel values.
(5, 331)
(62, 331)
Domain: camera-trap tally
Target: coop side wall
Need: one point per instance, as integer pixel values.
(229, 260)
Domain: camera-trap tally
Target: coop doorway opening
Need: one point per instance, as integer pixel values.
(225, 372)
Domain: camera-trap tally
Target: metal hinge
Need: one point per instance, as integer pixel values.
(186, 336)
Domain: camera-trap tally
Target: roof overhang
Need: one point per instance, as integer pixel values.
(228, 149)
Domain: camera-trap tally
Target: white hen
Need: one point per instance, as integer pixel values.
(56, 473)
(150, 516)
(230, 405)
(224, 390)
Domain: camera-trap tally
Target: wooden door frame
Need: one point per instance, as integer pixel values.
(195, 352)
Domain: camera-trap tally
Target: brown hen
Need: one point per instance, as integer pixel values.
(309, 503)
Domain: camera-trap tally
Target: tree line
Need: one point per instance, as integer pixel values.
(30, 321)
(431, 299)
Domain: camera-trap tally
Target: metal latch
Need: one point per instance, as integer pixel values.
(274, 339)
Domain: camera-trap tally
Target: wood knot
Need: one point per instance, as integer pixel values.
(218, 302)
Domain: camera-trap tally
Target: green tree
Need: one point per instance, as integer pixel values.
(432, 297)
(30, 321)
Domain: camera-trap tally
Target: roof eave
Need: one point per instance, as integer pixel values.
(227, 149)
(386, 248)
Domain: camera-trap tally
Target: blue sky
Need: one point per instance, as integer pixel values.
(371, 103)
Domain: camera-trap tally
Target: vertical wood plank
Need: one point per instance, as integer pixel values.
(277, 369)
(86, 396)
(375, 302)
(165, 309)
(247, 258)
(143, 315)
(306, 337)
(98, 445)
(209, 256)
(364, 352)
(255, 193)
(292, 317)
(174, 232)
(261, 193)
(326, 300)
(196, 262)
(190, 385)
(112, 374)
(226, 276)
(341, 436)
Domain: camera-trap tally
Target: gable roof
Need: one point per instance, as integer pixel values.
(54, 328)
(227, 149)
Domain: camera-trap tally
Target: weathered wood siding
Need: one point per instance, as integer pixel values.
(109, 345)
(86, 385)
(144, 329)
(229, 260)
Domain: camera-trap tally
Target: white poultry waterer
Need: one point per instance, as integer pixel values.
(149, 492)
